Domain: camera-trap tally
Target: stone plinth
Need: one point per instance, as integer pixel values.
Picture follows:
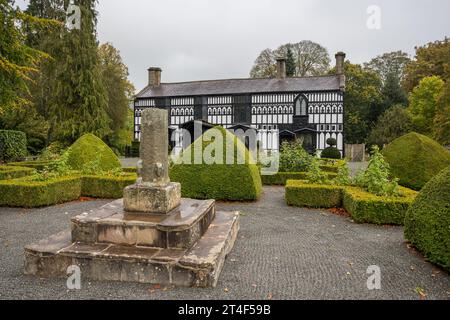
(148, 198)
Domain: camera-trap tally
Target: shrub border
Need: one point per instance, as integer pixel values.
(363, 206)
(10, 172)
(280, 178)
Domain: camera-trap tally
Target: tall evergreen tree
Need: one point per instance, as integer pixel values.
(290, 63)
(80, 99)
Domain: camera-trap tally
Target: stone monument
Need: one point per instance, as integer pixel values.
(153, 192)
(151, 236)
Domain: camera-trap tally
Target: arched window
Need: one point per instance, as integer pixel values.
(301, 106)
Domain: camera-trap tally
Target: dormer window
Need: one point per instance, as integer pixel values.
(301, 106)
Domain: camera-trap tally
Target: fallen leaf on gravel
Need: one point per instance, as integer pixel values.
(254, 285)
(226, 290)
(348, 273)
(412, 268)
(269, 296)
(156, 287)
(339, 212)
(421, 293)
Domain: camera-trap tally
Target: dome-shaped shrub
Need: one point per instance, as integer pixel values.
(238, 180)
(90, 152)
(427, 221)
(415, 159)
(330, 153)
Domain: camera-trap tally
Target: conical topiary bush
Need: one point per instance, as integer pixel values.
(415, 159)
(427, 221)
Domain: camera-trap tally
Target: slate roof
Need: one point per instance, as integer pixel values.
(240, 86)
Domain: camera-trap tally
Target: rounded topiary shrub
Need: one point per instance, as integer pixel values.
(235, 178)
(13, 145)
(427, 221)
(92, 154)
(415, 159)
(331, 153)
(331, 142)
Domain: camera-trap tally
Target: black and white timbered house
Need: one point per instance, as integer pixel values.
(281, 108)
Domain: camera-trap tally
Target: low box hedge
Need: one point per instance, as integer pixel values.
(362, 206)
(38, 165)
(30, 194)
(26, 193)
(303, 194)
(331, 165)
(366, 207)
(281, 178)
(106, 187)
(8, 172)
(130, 169)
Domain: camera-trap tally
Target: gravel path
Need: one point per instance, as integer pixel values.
(281, 252)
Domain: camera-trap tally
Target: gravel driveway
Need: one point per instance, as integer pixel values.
(281, 253)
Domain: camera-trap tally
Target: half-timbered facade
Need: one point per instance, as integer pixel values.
(281, 108)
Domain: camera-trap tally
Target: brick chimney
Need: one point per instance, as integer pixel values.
(154, 77)
(281, 68)
(340, 59)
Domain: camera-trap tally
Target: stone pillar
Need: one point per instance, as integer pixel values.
(153, 192)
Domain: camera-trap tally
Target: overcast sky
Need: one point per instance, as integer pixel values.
(214, 39)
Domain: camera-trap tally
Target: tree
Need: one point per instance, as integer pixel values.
(441, 125)
(311, 59)
(432, 59)
(362, 102)
(290, 63)
(394, 123)
(120, 91)
(17, 60)
(423, 102)
(391, 64)
(80, 98)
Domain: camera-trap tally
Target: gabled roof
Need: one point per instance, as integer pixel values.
(241, 86)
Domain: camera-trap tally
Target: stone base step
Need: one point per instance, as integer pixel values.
(198, 266)
(180, 228)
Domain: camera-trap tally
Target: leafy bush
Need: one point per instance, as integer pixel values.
(331, 153)
(367, 207)
(331, 165)
(90, 154)
(13, 145)
(376, 178)
(415, 159)
(219, 181)
(315, 174)
(304, 194)
(427, 222)
(107, 187)
(38, 165)
(343, 177)
(52, 151)
(8, 172)
(293, 158)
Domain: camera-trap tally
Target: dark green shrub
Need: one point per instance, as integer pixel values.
(331, 142)
(303, 194)
(30, 194)
(427, 222)
(91, 155)
(106, 187)
(135, 145)
(415, 159)
(13, 145)
(367, 207)
(218, 181)
(38, 165)
(8, 172)
(331, 153)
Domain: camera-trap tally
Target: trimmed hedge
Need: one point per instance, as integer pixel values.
(90, 150)
(106, 187)
(362, 206)
(415, 159)
(331, 153)
(330, 165)
(38, 165)
(219, 181)
(29, 194)
(13, 145)
(302, 194)
(281, 178)
(367, 207)
(130, 169)
(9, 172)
(427, 222)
